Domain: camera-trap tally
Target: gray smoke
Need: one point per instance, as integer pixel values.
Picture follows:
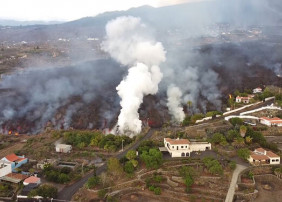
(38, 93)
(174, 103)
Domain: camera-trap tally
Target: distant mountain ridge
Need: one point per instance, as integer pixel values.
(7, 22)
(190, 16)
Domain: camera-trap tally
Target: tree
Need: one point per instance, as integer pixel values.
(218, 138)
(248, 140)
(45, 190)
(114, 166)
(243, 130)
(238, 142)
(231, 135)
(244, 153)
(129, 168)
(189, 103)
(152, 159)
(131, 155)
(236, 121)
(93, 182)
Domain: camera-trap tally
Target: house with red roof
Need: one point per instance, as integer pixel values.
(245, 100)
(16, 161)
(183, 147)
(271, 121)
(261, 156)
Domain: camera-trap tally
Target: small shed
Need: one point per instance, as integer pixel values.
(63, 148)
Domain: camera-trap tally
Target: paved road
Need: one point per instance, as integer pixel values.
(67, 193)
(231, 190)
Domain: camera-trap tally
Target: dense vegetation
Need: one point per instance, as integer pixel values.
(46, 191)
(58, 175)
(213, 165)
(81, 139)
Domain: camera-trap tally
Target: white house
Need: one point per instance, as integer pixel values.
(63, 148)
(5, 168)
(31, 180)
(271, 121)
(257, 90)
(262, 156)
(16, 161)
(183, 147)
(245, 100)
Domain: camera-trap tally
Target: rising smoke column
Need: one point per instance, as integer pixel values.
(174, 95)
(128, 42)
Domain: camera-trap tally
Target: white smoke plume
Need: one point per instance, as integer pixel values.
(174, 95)
(128, 42)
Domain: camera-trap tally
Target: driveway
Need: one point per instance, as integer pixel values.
(232, 186)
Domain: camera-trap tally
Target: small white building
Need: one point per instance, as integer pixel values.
(63, 148)
(183, 147)
(261, 156)
(257, 90)
(245, 100)
(5, 168)
(271, 121)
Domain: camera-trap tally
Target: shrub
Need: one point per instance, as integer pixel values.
(129, 168)
(102, 193)
(236, 121)
(244, 153)
(93, 182)
(157, 190)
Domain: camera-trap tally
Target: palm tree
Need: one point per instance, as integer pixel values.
(248, 139)
(243, 130)
(189, 103)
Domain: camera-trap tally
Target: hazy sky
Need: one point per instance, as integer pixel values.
(70, 9)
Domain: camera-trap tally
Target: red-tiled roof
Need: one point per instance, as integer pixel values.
(271, 154)
(272, 120)
(258, 156)
(177, 141)
(17, 176)
(32, 179)
(12, 157)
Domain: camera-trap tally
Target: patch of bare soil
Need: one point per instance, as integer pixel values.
(274, 194)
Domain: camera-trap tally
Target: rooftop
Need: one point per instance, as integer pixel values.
(177, 141)
(272, 120)
(31, 179)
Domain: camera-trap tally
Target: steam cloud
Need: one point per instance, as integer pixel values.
(128, 42)
(174, 103)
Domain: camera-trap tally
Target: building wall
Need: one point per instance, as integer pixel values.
(265, 122)
(200, 146)
(275, 160)
(6, 170)
(187, 148)
(19, 164)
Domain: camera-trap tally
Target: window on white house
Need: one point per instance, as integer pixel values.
(273, 160)
(172, 147)
(277, 159)
(181, 146)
